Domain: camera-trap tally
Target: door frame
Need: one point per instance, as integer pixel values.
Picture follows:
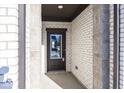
(61, 29)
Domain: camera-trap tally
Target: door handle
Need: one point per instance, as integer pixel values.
(63, 59)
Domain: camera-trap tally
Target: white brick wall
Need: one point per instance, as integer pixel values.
(10, 20)
(3, 28)
(9, 41)
(82, 45)
(12, 28)
(3, 45)
(121, 83)
(68, 40)
(3, 11)
(111, 38)
(8, 37)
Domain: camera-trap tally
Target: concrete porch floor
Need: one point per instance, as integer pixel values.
(65, 80)
(47, 83)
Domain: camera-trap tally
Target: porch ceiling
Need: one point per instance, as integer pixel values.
(50, 12)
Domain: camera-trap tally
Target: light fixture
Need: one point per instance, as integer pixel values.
(60, 6)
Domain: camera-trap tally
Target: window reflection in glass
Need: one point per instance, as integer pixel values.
(55, 46)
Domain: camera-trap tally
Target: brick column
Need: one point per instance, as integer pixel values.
(9, 41)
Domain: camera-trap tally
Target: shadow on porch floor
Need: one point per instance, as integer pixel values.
(65, 80)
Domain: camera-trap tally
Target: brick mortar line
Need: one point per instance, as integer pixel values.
(10, 24)
(9, 16)
(9, 33)
(10, 8)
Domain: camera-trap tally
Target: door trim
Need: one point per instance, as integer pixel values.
(55, 29)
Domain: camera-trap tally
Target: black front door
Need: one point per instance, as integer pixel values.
(56, 49)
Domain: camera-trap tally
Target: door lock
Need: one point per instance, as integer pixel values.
(63, 59)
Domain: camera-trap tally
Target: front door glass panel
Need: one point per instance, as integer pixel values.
(55, 46)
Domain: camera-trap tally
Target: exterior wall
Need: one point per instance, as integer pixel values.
(28, 46)
(121, 46)
(35, 46)
(68, 42)
(82, 45)
(111, 45)
(9, 41)
(33, 39)
(101, 46)
(111, 22)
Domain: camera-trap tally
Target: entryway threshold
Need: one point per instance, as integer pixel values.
(56, 72)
